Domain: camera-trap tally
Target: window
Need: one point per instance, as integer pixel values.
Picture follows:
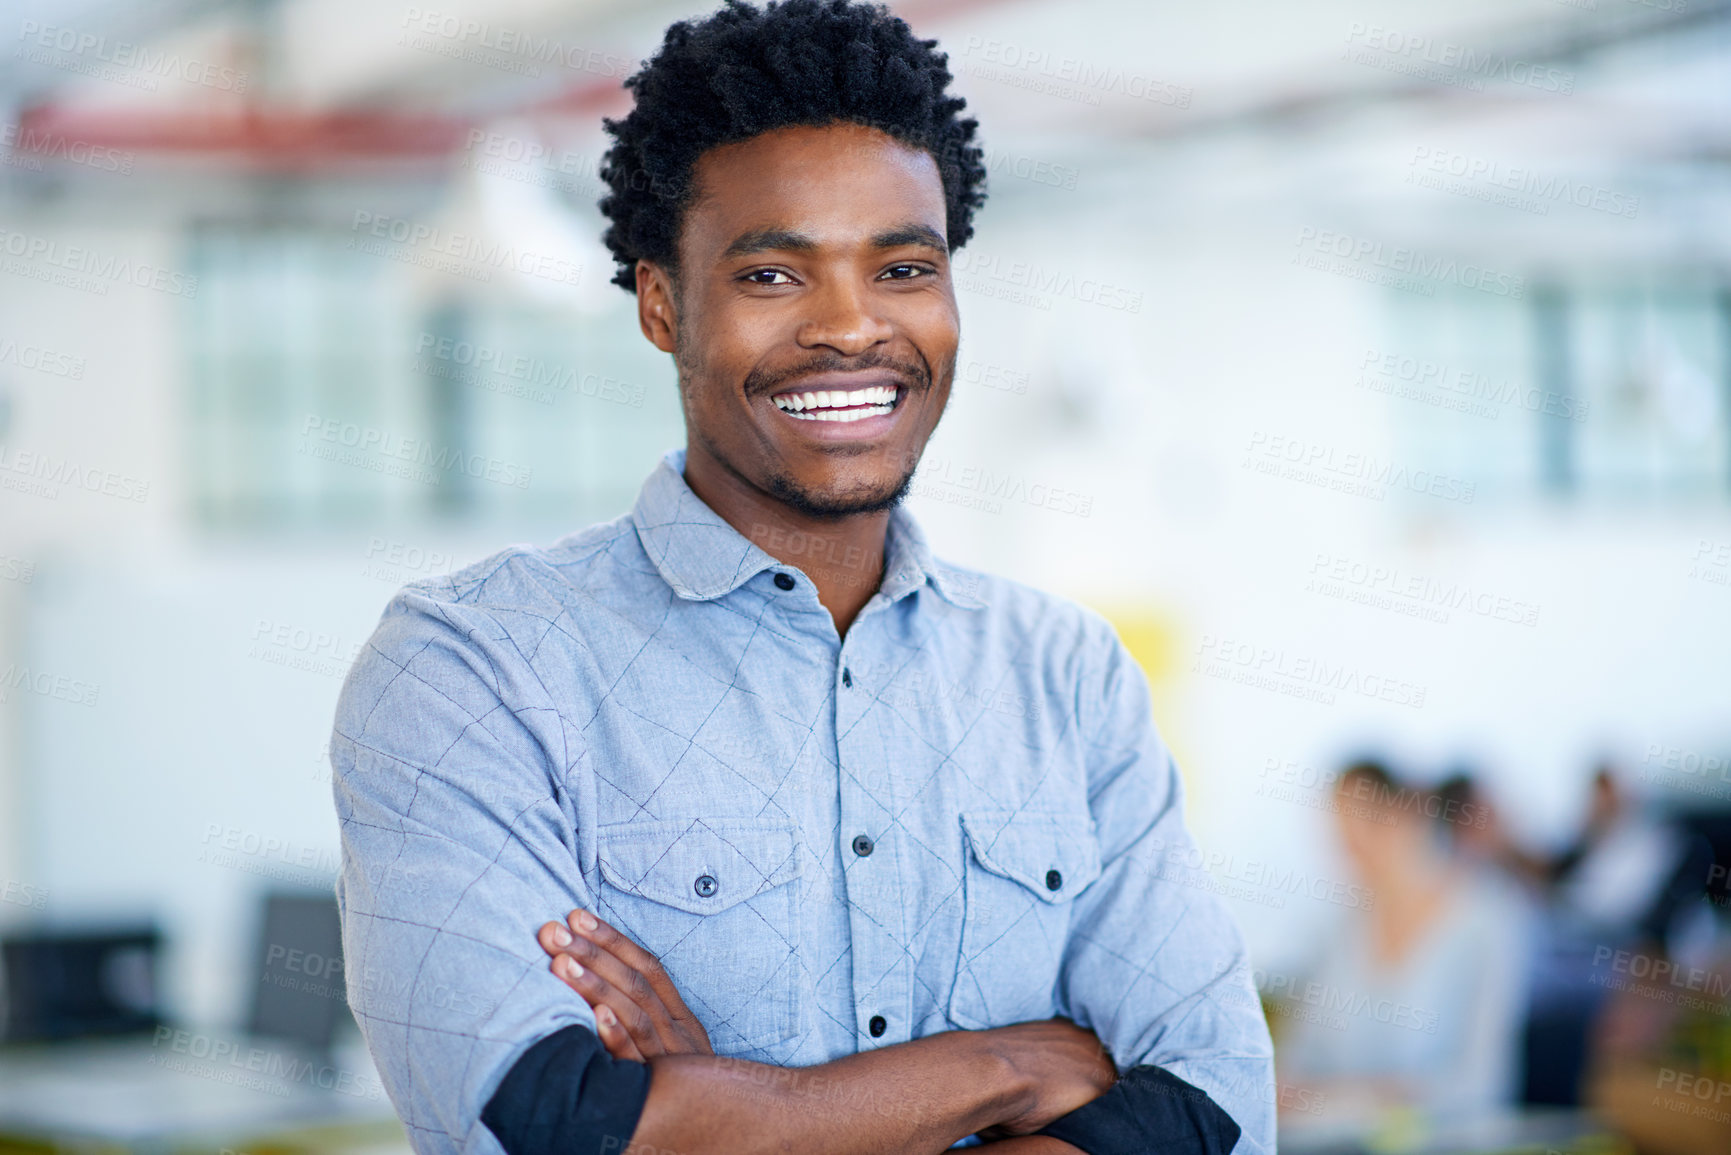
(330, 385)
(1603, 391)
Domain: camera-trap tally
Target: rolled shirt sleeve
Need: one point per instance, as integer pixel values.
(1149, 1109)
(1157, 968)
(567, 1096)
(458, 842)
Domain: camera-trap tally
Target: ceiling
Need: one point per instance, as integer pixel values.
(1313, 109)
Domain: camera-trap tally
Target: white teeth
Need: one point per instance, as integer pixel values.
(841, 414)
(880, 399)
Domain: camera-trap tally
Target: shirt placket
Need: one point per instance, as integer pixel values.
(869, 844)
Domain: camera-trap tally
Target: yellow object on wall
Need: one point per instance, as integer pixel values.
(1153, 639)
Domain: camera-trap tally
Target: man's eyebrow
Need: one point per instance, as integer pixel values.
(766, 240)
(788, 240)
(922, 235)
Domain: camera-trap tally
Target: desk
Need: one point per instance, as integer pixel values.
(131, 1096)
(1515, 1132)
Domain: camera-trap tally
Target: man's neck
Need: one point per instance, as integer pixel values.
(843, 557)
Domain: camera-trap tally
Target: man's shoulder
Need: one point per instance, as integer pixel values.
(512, 594)
(448, 629)
(1008, 602)
(523, 577)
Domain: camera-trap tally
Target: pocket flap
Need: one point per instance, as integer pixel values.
(1054, 855)
(700, 865)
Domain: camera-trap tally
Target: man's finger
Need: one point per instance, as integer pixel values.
(556, 940)
(553, 937)
(603, 995)
(633, 984)
(615, 1038)
(597, 930)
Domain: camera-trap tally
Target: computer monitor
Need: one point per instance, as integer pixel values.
(69, 984)
(300, 995)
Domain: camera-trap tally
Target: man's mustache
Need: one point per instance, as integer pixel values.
(762, 382)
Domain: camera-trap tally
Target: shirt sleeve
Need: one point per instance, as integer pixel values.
(458, 842)
(1155, 964)
(568, 1096)
(1148, 1110)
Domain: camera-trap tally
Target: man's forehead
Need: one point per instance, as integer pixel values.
(834, 184)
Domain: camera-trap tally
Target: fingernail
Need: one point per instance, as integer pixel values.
(561, 936)
(586, 920)
(573, 968)
(605, 1014)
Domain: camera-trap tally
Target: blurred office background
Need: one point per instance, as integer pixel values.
(1368, 363)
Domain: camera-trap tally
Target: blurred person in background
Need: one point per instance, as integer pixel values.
(1415, 1003)
(1634, 872)
(1630, 880)
(1629, 871)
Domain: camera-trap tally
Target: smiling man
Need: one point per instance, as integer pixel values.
(742, 823)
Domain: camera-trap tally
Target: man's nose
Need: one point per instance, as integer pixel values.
(842, 318)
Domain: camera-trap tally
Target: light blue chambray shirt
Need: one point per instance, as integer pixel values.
(639, 720)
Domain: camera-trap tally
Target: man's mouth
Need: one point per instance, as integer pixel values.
(839, 404)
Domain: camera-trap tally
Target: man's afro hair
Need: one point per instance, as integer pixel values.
(745, 71)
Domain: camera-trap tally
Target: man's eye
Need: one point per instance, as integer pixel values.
(904, 272)
(767, 277)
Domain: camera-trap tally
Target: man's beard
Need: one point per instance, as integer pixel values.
(837, 506)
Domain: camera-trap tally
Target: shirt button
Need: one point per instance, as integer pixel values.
(1054, 880)
(862, 845)
(846, 676)
(706, 885)
(877, 1026)
(783, 581)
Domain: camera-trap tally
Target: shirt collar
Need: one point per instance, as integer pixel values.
(702, 557)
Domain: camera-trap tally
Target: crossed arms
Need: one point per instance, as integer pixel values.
(1005, 1083)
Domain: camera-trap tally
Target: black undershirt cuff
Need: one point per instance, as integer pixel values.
(567, 1096)
(1148, 1109)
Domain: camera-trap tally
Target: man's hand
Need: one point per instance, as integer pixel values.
(1063, 1067)
(637, 1008)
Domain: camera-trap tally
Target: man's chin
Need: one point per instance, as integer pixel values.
(838, 501)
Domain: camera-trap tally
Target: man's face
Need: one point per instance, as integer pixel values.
(814, 324)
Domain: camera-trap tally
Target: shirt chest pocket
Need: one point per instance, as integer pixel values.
(715, 900)
(1021, 875)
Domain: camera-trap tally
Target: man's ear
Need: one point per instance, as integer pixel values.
(655, 313)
